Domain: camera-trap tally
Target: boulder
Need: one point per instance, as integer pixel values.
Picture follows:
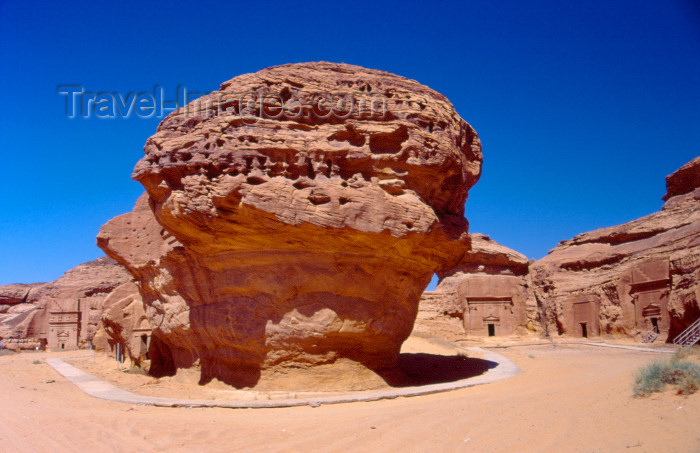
(293, 217)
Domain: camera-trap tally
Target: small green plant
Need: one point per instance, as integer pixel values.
(36, 362)
(692, 352)
(655, 376)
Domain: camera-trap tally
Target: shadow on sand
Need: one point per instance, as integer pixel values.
(425, 369)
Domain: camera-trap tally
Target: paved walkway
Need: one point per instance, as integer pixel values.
(100, 389)
(669, 350)
(633, 348)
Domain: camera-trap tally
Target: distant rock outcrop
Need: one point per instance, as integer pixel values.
(25, 309)
(684, 180)
(485, 294)
(294, 217)
(634, 279)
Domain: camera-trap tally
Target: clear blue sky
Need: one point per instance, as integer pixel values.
(582, 107)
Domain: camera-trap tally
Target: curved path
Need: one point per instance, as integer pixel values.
(97, 388)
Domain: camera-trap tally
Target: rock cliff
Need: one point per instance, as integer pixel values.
(24, 308)
(642, 276)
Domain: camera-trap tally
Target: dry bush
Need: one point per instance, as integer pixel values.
(654, 377)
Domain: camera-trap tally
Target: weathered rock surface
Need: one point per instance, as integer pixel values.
(488, 286)
(684, 180)
(295, 235)
(14, 294)
(124, 322)
(26, 317)
(643, 275)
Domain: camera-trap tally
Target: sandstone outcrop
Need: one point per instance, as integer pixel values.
(293, 218)
(631, 279)
(684, 180)
(124, 323)
(485, 294)
(25, 308)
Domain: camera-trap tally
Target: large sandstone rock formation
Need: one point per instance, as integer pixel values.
(25, 308)
(278, 232)
(629, 279)
(486, 293)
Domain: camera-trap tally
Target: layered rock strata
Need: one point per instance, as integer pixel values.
(25, 308)
(293, 217)
(633, 279)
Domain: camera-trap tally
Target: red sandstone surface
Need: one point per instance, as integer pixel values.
(629, 279)
(286, 240)
(25, 309)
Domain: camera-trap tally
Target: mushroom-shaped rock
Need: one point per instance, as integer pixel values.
(294, 217)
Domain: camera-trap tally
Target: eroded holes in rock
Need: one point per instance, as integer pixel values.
(389, 143)
(310, 169)
(207, 145)
(344, 200)
(285, 94)
(409, 225)
(255, 180)
(349, 135)
(430, 127)
(185, 156)
(294, 84)
(319, 198)
(220, 142)
(191, 123)
(301, 184)
(229, 107)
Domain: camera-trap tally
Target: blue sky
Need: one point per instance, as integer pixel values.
(582, 107)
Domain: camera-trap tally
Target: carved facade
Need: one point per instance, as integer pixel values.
(64, 329)
(580, 315)
(647, 293)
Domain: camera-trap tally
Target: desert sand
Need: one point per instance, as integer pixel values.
(567, 398)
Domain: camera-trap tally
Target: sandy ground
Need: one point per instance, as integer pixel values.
(427, 361)
(567, 399)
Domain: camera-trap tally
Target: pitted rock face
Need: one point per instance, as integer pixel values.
(283, 231)
(329, 144)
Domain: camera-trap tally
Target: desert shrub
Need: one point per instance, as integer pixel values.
(692, 352)
(655, 376)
